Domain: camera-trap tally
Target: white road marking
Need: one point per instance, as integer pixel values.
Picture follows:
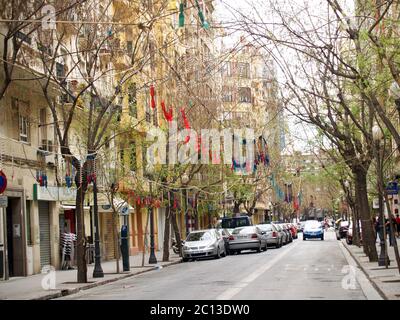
(238, 286)
(366, 286)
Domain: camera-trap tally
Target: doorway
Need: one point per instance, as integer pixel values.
(15, 238)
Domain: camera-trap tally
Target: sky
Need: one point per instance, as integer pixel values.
(299, 133)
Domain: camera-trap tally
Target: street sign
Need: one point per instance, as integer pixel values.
(124, 210)
(375, 203)
(3, 201)
(392, 188)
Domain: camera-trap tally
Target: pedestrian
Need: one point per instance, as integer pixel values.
(379, 229)
(389, 231)
(398, 225)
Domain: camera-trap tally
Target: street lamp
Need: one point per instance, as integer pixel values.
(185, 180)
(377, 136)
(97, 271)
(152, 258)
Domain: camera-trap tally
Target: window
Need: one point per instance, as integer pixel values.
(244, 70)
(245, 94)
(132, 100)
(132, 162)
(227, 94)
(23, 121)
(60, 71)
(129, 47)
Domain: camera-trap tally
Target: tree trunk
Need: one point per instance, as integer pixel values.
(81, 241)
(167, 230)
(369, 246)
(177, 232)
(116, 239)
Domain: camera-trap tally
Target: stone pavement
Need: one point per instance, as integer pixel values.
(30, 288)
(385, 281)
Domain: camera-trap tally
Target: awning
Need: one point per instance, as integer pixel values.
(118, 204)
(71, 207)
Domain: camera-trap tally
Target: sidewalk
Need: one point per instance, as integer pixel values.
(30, 288)
(386, 281)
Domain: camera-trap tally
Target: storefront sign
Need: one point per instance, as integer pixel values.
(3, 201)
(375, 203)
(392, 188)
(53, 193)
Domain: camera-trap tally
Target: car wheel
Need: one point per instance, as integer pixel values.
(224, 254)
(304, 238)
(185, 259)
(322, 238)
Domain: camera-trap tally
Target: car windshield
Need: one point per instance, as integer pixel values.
(199, 236)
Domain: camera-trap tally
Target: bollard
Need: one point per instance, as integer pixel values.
(125, 248)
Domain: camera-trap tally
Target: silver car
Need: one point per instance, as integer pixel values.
(282, 234)
(245, 238)
(203, 243)
(272, 235)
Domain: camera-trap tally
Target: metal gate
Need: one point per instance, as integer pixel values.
(44, 223)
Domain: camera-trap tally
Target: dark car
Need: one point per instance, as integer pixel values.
(236, 222)
(341, 229)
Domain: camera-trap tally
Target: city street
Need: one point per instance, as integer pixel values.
(311, 269)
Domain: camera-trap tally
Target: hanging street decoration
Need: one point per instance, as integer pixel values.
(152, 96)
(204, 23)
(167, 114)
(186, 123)
(3, 182)
(181, 15)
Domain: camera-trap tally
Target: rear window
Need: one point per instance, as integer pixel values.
(232, 223)
(265, 227)
(244, 230)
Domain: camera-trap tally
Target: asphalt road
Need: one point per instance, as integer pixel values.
(311, 269)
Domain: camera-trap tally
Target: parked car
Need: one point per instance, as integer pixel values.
(313, 229)
(287, 231)
(203, 243)
(293, 230)
(282, 233)
(235, 222)
(302, 224)
(225, 233)
(244, 238)
(272, 235)
(341, 229)
(349, 234)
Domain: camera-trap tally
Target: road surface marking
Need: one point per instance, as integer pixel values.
(240, 285)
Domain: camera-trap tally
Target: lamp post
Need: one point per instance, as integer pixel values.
(377, 137)
(98, 270)
(152, 258)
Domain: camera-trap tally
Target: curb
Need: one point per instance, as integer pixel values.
(67, 292)
(377, 288)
